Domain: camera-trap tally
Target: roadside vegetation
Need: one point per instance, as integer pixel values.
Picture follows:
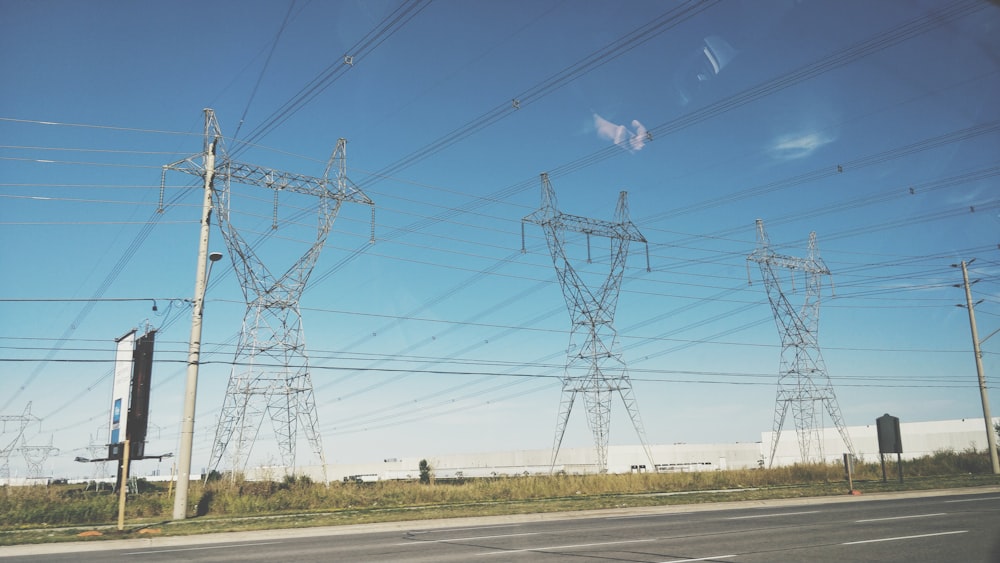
(61, 512)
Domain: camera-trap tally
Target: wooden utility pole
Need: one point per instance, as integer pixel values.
(123, 488)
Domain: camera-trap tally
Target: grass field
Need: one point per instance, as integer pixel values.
(61, 512)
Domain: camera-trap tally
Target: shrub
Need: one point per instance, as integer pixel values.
(425, 472)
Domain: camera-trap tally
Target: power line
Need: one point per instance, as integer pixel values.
(644, 33)
(369, 43)
(263, 70)
(386, 28)
(94, 126)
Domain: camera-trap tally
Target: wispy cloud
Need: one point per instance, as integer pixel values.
(798, 146)
(632, 141)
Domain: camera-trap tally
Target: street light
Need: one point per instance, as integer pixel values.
(191, 389)
(212, 259)
(991, 442)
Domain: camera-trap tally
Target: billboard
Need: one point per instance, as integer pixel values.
(130, 394)
(138, 411)
(120, 390)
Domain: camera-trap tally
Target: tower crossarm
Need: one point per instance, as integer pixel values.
(23, 419)
(18, 423)
(254, 175)
(764, 255)
(555, 223)
(588, 226)
(806, 265)
(548, 216)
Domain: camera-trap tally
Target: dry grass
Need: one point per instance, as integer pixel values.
(71, 505)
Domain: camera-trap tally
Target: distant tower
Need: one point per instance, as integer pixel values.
(11, 432)
(803, 382)
(36, 456)
(270, 374)
(594, 365)
(98, 448)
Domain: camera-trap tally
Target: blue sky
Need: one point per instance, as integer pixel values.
(874, 125)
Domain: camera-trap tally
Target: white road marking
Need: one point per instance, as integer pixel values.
(901, 517)
(558, 547)
(200, 548)
(440, 530)
(640, 516)
(453, 540)
(772, 515)
(973, 499)
(700, 559)
(906, 537)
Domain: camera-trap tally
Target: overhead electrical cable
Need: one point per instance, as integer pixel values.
(263, 70)
(858, 51)
(834, 170)
(650, 30)
(883, 40)
(369, 43)
(385, 29)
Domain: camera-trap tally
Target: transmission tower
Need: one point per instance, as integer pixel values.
(803, 382)
(11, 432)
(594, 365)
(270, 374)
(97, 449)
(36, 456)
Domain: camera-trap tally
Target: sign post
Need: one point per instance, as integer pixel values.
(849, 470)
(129, 409)
(123, 488)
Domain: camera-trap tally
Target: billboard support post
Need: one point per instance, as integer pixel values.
(123, 489)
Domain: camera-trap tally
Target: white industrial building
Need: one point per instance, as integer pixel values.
(918, 439)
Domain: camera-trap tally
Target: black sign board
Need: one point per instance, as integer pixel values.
(889, 440)
(138, 412)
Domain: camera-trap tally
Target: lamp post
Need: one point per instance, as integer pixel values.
(991, 442)
(191, 390)
(205, 260)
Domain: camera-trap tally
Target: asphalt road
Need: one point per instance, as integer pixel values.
(904, 528)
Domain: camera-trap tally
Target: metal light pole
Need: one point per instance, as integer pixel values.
(194, 349)
(990, 432)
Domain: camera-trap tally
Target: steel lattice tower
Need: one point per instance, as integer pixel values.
(97, 449)
(7, 444)
(270, 374)
(36, 456)
(594, 365)
(803, 382)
